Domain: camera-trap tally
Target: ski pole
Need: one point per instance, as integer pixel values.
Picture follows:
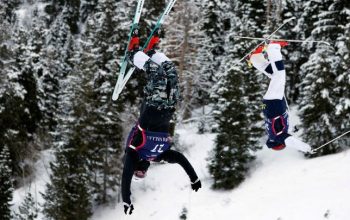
(267, 38)
(314, 150)
(288, 40)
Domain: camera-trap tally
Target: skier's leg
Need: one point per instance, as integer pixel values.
(277, 131)
(278, 78)
(172, 156)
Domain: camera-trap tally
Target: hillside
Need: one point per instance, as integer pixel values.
(282, 185)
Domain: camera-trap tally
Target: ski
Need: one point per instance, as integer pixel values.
(159, 23)
(124, 62)
(287, 40)
(262, 42)
(267, 38)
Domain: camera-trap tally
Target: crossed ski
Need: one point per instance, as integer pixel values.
(124, 76)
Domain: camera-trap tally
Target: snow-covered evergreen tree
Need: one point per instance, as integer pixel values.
(98, 116)
(19, 114)
(67, 196)
(341, 14)
(238, 95)
(182, 46)
(323, 101)
(295, 54)
(6, 186)
(231, 156)
(28, 210)
(151, 12)
(8, 9)
(215, 22)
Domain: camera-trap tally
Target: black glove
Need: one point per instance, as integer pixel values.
(196, 185)
(128, 208)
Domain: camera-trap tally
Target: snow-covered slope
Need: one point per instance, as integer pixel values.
(281, 186)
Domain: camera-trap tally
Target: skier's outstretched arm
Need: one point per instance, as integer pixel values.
(130, 161)
(172, 156)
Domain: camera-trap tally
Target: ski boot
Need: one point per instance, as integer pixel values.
(134, 45)
(153, 44)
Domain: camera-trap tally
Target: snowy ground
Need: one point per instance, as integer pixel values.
(281, 186)
(38, 184)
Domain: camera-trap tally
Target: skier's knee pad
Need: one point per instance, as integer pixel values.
(279, 65)
(277, 128)
(268, 69)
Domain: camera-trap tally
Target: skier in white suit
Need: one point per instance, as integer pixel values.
(270, 62)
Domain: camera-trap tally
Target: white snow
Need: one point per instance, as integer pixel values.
(37, 184)
(281, 186)
(26, 11)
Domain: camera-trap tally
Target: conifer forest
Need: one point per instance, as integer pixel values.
(59, 63)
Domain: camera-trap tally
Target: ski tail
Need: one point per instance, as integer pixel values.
(160, 22)
(124, 63)
(121, 84)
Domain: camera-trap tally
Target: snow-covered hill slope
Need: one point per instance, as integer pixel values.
(281, 186)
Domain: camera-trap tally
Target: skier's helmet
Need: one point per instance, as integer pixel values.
(141, 169)
(140, 174)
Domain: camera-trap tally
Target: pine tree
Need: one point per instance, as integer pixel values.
(215, 24)
(99, 121)
(28, 210)
(317, 100)
(254, 83)
(295, 54)
(8, 8)
(341, 15)
(183, 49)
(238, 94)
(54, 65)
(20, 113)
(325, 77)
(231, 156)
(6, 186)
(67, 196)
